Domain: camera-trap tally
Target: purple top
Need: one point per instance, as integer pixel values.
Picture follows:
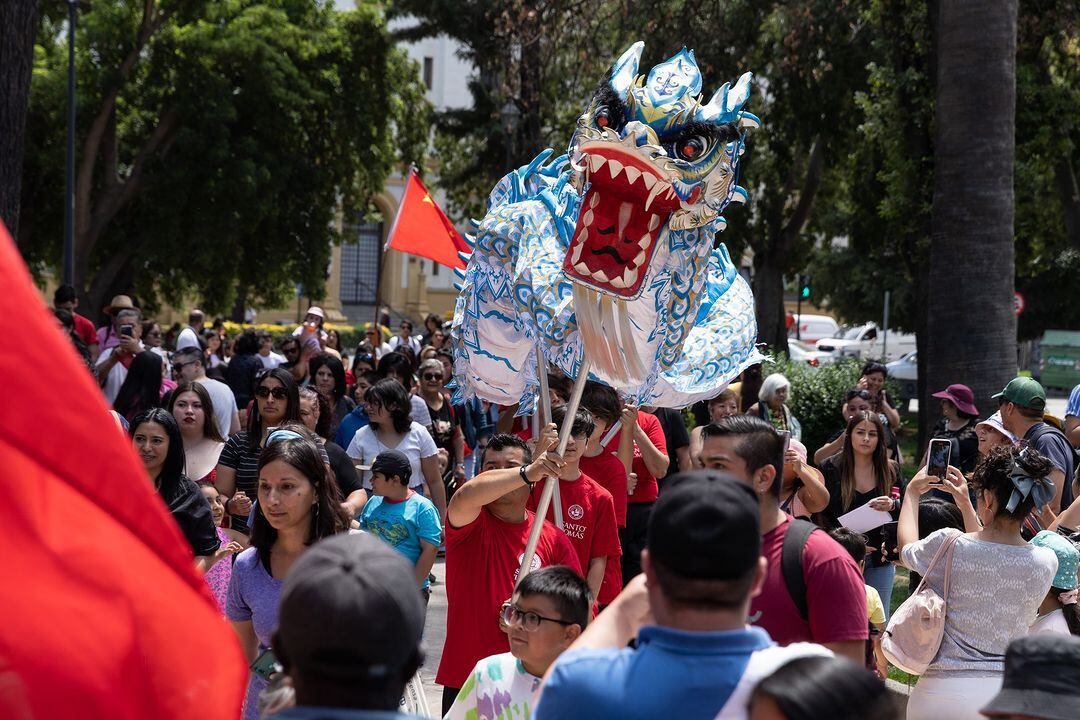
(218, 576)
(253, 595)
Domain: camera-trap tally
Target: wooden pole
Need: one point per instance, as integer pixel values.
(544, 405)
(551, 483)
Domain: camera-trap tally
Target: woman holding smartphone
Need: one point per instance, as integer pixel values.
(299, 504)
(862, 474)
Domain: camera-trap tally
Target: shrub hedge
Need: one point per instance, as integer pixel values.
(351, 335)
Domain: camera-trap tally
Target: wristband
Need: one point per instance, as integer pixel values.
(525, 477)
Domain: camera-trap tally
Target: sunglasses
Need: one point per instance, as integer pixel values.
(264, 392)
(177, 367)
(529, 620)
(432, 377)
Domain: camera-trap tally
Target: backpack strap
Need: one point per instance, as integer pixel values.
(1048, 429)
(798, 533)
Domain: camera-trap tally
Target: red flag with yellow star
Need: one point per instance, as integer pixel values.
(422, 228)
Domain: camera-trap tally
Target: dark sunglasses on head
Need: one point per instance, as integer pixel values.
(264, 392)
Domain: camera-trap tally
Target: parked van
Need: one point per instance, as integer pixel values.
(812, 328)
(867, 341)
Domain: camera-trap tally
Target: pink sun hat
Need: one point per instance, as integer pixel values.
(960, 396)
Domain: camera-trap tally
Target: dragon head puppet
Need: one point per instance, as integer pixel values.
(610, 249)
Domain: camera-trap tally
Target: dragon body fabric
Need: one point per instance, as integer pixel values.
(609, 250)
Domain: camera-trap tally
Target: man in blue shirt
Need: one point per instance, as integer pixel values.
(684, 617)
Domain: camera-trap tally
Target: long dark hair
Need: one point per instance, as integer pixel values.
(399, 365)
(885, 471)
(328, 517)
(210, 428)
(292, 405)
(326, 413)
(172, 471)
(391, 395)
(142, 386)
(336, 369)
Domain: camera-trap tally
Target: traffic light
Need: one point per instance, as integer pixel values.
(804, 287)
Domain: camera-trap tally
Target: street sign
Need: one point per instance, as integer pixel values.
(1018, 303)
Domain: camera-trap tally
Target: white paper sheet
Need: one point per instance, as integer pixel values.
(864, 518)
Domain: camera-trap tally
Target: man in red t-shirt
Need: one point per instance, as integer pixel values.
(587, 508)
(751, 450)
(487, 528)
(646, 446)
(65, 298)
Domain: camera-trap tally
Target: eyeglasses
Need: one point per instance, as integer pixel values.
(432, 377)
(177, 367)
(264, 392)
(529, 620)
(291, 349)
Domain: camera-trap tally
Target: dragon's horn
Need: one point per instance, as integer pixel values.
(625, 69)
(727, 101)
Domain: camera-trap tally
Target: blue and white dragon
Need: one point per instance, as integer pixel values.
(611, 248)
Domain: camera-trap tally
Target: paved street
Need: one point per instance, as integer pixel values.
(434, 636)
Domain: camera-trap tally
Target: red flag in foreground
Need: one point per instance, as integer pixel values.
(102, 613)
(422, 228)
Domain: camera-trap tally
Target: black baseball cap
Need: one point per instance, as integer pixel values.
(391, 463)
(705, 526)
(350, 611)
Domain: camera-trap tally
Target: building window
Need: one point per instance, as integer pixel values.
(429, 71)
(360, 263)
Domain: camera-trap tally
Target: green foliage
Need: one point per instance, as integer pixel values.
(817, 394)
(351, 335)
(274, 114)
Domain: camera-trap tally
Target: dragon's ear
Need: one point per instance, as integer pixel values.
(724, 105)
(625, 70)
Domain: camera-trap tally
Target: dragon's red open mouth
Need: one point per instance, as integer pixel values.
(622, 215)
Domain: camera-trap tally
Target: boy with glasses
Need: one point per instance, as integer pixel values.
(548, 611)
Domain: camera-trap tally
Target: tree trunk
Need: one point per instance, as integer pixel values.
(239, 305)
(529, 75)
(18, 28)
(971, 324)
(769, 302)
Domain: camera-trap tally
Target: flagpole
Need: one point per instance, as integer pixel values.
(385, 249)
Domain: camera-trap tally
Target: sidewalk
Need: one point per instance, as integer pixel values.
(434, 637)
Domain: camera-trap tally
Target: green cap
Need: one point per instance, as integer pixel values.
(1025, 392)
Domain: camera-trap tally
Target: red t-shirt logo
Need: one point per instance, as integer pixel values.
(575, 512)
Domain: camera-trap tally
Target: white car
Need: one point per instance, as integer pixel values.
(800, 351)
(811, 328)
(867, 341)
(906, 373)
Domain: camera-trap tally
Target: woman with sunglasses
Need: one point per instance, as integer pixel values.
(154, 341)
(276, 402)
(445, 430)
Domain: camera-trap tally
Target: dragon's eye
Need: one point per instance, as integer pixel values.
(692, 148)
(603, 117)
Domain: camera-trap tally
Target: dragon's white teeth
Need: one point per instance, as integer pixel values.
(626, 211)
(618, 283)
(632, 174)
(639, 260)
(594, 201)
(614, 167)
(654, 222)
(671, 193)
(596, 162)
(587, 218)
(656, 190)
(575, 255)
(600, 276)
(582, 269)
(645, 241)
(630, 277)
(649, 179)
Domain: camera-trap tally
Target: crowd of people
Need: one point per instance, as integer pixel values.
(716, 568)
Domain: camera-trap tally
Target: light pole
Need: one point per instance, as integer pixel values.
(509, 115)
(69, 193)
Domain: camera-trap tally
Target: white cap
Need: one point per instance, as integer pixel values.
(994, 421)
(315, 310)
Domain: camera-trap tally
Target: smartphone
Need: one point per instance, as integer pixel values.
(266, 664)
(937, 459)
(127, 330)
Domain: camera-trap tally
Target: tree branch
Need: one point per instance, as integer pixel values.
(801, 215)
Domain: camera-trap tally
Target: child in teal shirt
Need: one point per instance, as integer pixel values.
(408, 521)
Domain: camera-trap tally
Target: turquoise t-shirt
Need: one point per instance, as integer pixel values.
(403, 524)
